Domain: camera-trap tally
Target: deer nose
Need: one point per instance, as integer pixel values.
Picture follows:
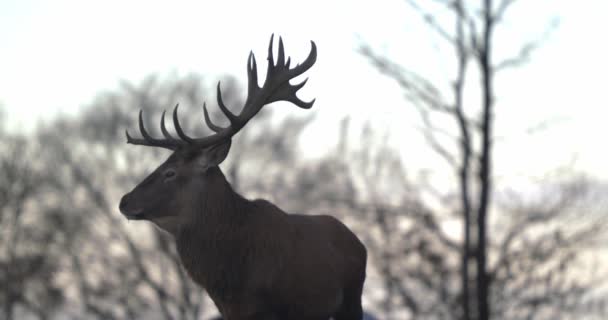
(124, 201)
(127, 208)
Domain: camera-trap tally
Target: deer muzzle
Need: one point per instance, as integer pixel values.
(128, 210)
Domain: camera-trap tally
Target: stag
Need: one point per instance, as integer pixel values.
(254, 260)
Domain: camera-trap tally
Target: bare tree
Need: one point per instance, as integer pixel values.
(34, 231)
(471, 34)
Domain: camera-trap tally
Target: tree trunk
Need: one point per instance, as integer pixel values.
(483, 299)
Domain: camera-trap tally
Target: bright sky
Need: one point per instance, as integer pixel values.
(55, 56)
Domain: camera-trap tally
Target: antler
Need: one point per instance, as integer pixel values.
(276, 88)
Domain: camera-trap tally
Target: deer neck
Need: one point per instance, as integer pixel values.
(210, 241)
(213, 208)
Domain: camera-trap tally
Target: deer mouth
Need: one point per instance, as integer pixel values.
(134, 215)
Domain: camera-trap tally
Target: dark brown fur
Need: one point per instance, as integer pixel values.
(256, 260)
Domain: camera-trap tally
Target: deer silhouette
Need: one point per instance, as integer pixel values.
(254, 260)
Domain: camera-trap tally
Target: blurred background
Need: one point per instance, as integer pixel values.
(462, 141)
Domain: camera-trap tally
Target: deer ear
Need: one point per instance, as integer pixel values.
(214, 155)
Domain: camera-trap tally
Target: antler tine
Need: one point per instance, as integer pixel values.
(163, 128)
(132, 140)
(252, 75)
(288, 62)
(208, 121)
(270, 57)
(281, 58)
(148, 140)
(142, 128)
(178, 128)
(308, 62)
(231, 117)
(295, 100)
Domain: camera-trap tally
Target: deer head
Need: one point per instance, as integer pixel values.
(187, 172)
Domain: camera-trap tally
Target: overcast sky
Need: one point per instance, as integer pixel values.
(55, 56)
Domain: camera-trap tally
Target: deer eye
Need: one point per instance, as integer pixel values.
(169, 174)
